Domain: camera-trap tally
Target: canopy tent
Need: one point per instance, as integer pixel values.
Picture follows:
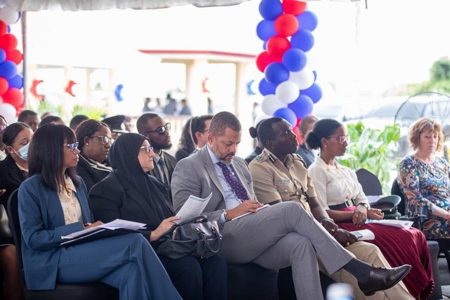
(73, 5)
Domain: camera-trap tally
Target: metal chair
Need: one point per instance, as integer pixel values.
(80, 291)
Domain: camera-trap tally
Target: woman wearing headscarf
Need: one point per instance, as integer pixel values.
(130, 193)
(53, 203)
(340, 193)
(94, 140)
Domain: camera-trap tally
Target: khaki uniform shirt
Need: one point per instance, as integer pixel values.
(274, 180)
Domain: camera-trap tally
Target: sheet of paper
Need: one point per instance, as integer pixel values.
(246, 214)
(116, 224)
(393, 223)
(193, 207)
(364, 234)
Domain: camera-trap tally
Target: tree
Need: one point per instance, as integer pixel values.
(439, 78)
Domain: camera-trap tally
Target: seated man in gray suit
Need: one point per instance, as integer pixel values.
(274, 237)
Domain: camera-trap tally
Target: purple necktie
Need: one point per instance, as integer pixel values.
(234, 182)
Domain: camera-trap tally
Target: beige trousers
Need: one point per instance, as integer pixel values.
(372, 255)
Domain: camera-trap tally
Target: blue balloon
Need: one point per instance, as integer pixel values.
(302, 107)
(315, 74)
(314, 92)
(16, 82)
(287, 114)
(2, 55)
(270, 9)
(266, 29)
(266, 88)
(118, 92)
(303, 39)
(294, 59)
(8, 69)
(276, 73)
(307, 20)
(250, 91)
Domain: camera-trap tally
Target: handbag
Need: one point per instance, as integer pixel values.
(196, 237)
(5, 231)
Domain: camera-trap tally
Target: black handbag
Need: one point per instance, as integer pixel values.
(195, 237)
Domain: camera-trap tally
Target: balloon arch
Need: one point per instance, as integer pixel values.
(289, 85)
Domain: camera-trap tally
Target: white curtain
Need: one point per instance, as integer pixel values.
(73, 5)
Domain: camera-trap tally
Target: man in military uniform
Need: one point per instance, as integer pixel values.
(279, 174)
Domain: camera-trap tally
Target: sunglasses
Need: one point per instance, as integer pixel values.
(103, 138)
(160, 130)
(147, 149)
(72, 147)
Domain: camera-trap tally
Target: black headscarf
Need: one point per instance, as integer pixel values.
(123, 157)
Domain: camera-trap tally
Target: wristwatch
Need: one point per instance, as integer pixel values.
(364, 204)
(225, 213)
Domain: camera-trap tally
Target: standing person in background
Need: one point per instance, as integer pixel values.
(147, 108)
(30, 118)
(94, 141)
(194, 136)
(185, 109)
(52, 203)
(156, 130)
(14, 169)
(76, 120)
(306, 125)
(171, 106)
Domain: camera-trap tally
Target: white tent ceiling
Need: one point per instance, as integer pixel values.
(73, 5)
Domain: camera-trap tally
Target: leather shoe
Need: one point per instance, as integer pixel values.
(383, 279)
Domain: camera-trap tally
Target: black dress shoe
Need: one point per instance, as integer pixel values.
(383, 279)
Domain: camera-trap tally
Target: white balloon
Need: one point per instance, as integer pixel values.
(8, 112)
(287, 92)
(304, 78)
(9, 15)
(270, 104)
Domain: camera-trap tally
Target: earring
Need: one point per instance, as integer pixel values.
(87, 144)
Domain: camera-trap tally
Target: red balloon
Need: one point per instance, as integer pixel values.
(264, 58)
(14, 56)
(286, 25)
(294, 7)
(8, 42)
(14, 97)
(277, 45)
(3, 28)
(3, 85)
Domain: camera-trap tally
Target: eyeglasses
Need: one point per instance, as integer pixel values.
(342, 138)
(147, 149)
(103, 138)
(72, 147)
(160, 130)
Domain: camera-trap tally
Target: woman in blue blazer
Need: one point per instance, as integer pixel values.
(53, 203)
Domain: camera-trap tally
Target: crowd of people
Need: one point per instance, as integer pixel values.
(76, 177)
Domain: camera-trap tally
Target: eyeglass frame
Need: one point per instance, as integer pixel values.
(342, 138)
(147, 149)
(102, 139)
(160, 129)
(72, 147)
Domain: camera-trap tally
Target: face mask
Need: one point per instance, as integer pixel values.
(23, 152)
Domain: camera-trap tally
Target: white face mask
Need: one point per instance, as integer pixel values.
(23, 152)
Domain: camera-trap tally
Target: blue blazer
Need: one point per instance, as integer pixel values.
(42, 223)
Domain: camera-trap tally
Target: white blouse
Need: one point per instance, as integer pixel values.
(69, 203)
(335, 184)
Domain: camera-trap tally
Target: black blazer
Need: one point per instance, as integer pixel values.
(170, 162)
(10, 177)
(90, 174)
(108, 201)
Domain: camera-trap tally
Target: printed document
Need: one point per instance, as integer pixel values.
(113, 225)
(193, 207)
(393, 223)
(363, 234)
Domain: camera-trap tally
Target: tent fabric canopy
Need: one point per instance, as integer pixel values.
(74, 5)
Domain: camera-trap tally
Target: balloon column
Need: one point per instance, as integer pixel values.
(288, 86)
(11, 97)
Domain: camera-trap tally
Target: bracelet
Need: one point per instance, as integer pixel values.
(333, 230)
